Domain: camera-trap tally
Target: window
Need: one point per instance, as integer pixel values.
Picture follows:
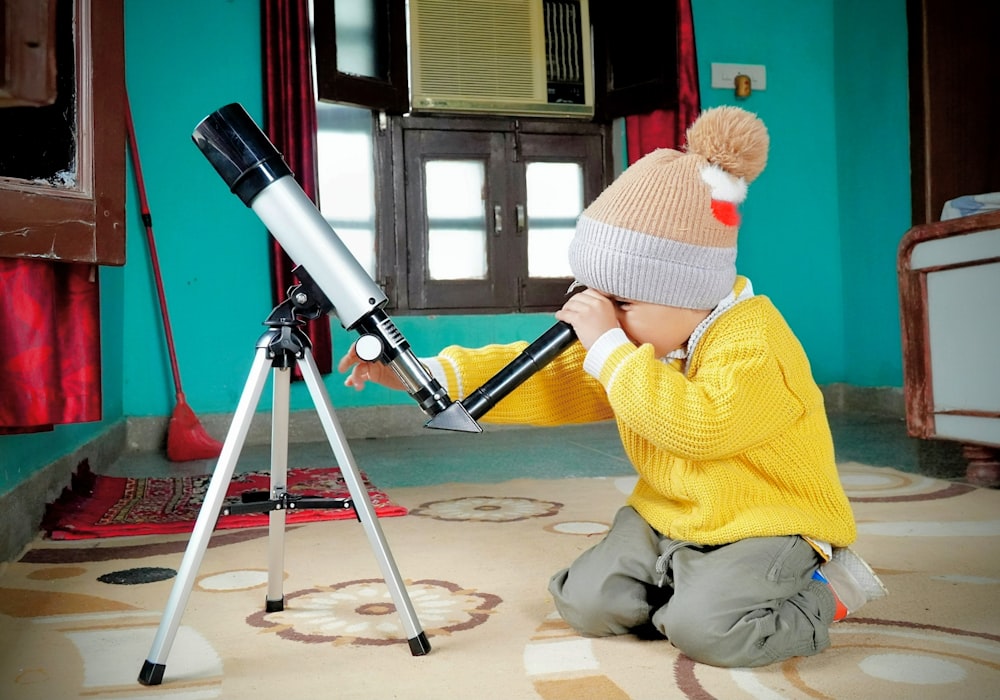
(361, 53)
(635, 62)
(62, 165)
(490, 207)
(469, 213)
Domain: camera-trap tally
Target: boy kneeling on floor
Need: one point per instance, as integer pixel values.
(734, 543)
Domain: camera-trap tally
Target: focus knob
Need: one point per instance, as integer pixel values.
(369, 348)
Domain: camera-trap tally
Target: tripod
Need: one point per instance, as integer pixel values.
(282, 347)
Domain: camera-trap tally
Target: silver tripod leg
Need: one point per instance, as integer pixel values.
(280, 401)
(363, 506)
(155, 664)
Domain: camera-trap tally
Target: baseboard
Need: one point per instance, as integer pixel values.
(150, 434)
(878, 400)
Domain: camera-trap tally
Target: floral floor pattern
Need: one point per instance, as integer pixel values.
(79, 618)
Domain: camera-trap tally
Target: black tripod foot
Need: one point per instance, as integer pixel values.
(151, 674)
(419, 645)
(274, 605)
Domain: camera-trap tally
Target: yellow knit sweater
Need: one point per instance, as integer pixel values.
(737, 447)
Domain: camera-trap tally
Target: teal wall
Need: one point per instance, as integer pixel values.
(184, 60)
(820, 228)
(822, 223)
(789, 242)
(872, 118)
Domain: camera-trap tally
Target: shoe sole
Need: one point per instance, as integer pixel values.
(859, 570)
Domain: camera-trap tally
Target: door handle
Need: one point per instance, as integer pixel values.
(497, 220)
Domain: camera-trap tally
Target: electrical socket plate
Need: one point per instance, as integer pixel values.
(723, 75)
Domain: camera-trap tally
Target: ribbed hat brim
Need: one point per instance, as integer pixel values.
(633, 265)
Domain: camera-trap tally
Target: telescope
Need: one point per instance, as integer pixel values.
(335, 282)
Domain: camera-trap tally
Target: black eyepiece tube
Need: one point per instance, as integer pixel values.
(538, 354)
(239, 151)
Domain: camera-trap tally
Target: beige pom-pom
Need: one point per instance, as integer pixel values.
(731, 138)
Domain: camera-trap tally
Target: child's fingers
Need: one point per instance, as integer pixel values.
(349, 359)
(358, 377)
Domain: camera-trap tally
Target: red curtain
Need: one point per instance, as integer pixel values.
(50, 344)
(665, 128)
(290, 123)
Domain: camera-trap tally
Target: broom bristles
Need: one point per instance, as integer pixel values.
(186, 437)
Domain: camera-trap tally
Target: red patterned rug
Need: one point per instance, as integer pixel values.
(106, 506)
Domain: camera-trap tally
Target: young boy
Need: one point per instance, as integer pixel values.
(733, 544)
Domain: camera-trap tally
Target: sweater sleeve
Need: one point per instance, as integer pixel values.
(735, 396)
(559, 393)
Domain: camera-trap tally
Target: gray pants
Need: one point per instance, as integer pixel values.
(749, 603)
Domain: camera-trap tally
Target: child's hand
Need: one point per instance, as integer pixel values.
(591, 314)
(363, 372)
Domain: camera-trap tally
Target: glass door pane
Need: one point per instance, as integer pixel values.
(561, 175)
(456, 219)
(357, 40)
(554, 201)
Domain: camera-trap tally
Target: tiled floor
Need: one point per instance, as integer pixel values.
(569, 451)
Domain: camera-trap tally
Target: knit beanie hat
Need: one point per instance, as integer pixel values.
(665, 230)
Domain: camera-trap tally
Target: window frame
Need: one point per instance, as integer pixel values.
(634, 71)
(511, 143)
(389, 92)
(84, 223)
(420, 145)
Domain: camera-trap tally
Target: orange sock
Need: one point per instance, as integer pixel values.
(840, 612)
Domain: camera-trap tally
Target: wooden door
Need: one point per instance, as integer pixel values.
(954, 104)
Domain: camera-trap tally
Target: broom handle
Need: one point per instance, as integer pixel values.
(147, 221)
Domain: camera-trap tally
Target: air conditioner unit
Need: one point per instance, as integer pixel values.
(511, 57)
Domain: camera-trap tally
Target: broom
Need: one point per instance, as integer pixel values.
(186, 438)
